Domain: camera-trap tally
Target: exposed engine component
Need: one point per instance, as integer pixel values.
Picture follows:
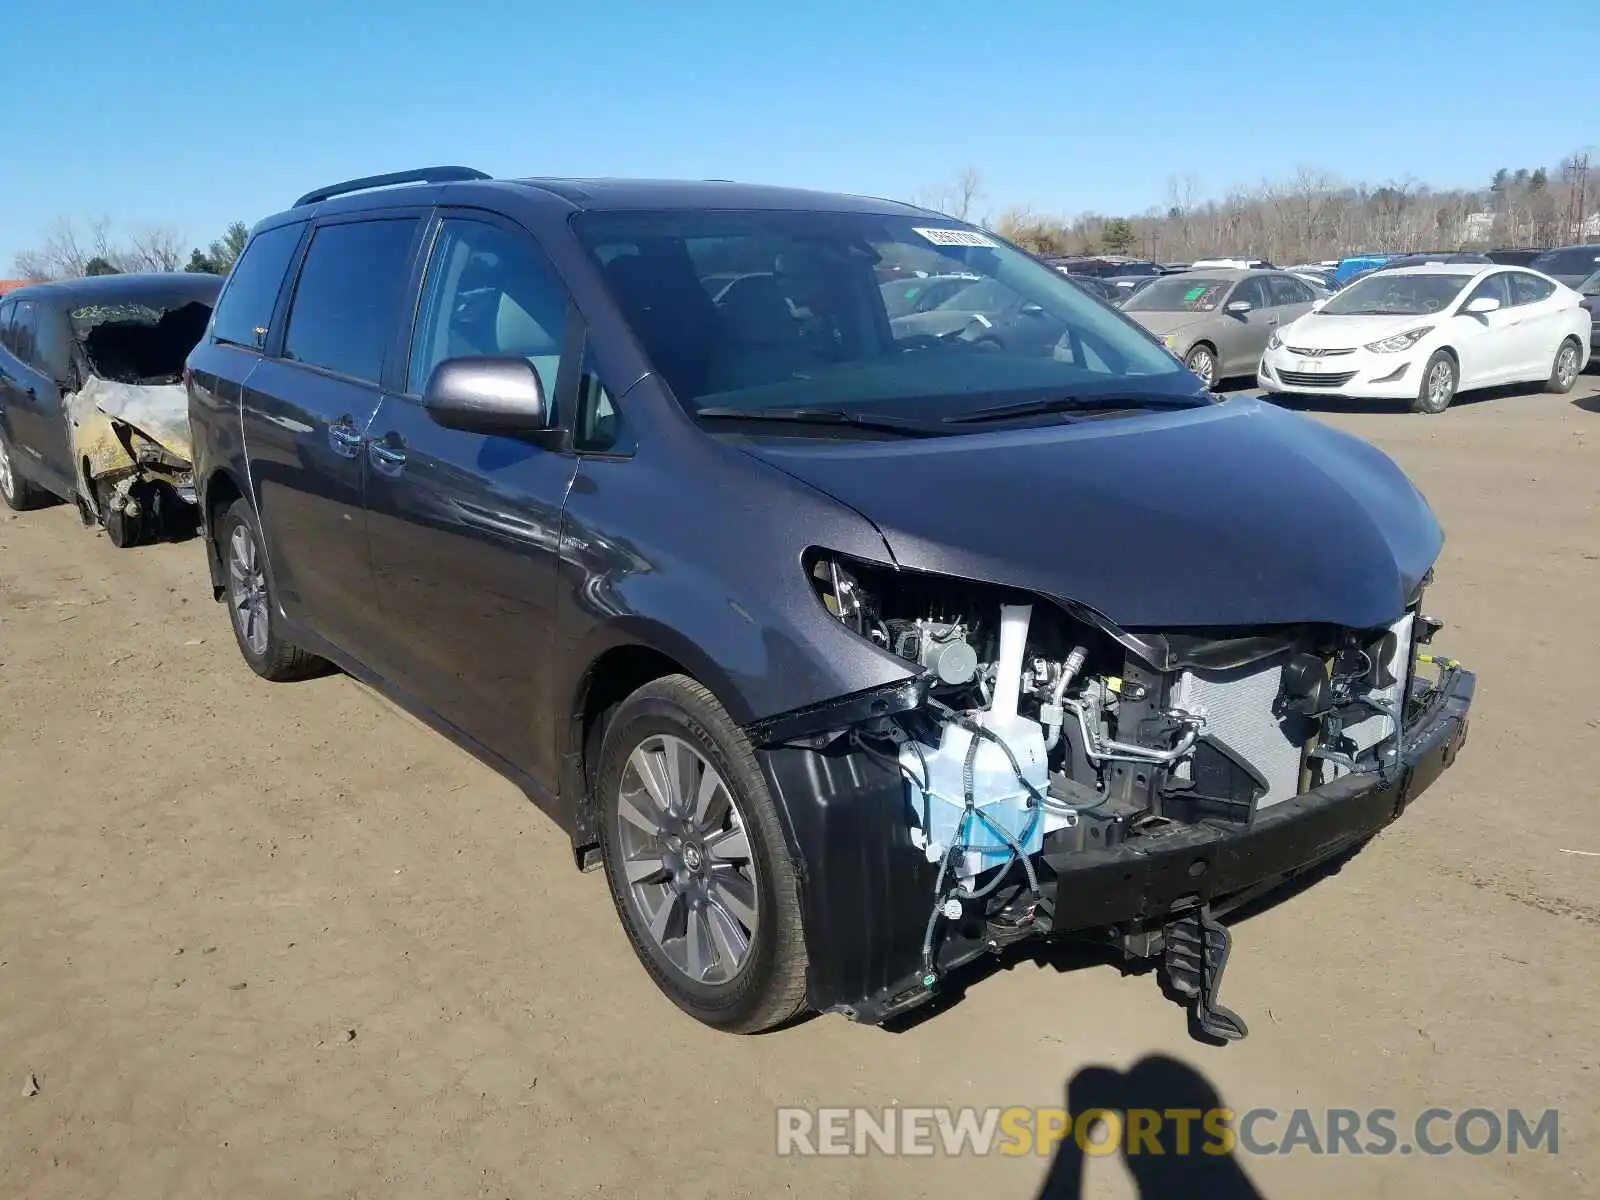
(1035, 716)
(943, 649)
(1034, 732)
(976, 794)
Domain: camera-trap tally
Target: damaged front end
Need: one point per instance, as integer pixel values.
(129, 420)
(1043, 772)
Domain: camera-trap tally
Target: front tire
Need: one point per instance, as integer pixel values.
(1566, 368)
(1440, 379)
(19, 495)
(252, 606)
(1202, 360)
(696, 860)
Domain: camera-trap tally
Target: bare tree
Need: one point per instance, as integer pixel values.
(956, 197)
(70, 248)
(156, 248)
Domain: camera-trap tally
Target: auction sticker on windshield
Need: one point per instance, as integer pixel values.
(955, 237)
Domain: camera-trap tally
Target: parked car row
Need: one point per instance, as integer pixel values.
(854, 633)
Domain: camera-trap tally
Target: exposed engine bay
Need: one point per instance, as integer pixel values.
(1039, 735)
(128, 419)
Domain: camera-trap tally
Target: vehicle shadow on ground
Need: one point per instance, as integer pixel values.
(1589, 403)
(1175, 1158)
(1066, 954)
(1345, 404)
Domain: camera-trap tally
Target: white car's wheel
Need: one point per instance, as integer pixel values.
(1440, 379)
(1564, 371)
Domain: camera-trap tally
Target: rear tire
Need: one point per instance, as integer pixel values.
(252, 605)
(1440, 379)
(19, 494)
(703, 883)
(1564, 371)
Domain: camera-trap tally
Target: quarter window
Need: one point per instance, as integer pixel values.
(489, 292)
(248, 298)
(347, 302)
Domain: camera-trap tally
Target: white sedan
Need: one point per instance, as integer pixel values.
(1422, 334)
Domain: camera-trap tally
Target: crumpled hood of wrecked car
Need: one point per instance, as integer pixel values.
(1238, 513)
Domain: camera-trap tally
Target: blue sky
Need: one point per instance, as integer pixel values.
(195, 114)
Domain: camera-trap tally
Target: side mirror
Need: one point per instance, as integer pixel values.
(1032, 310)
(1481, 304)
(487, 395)
(1319, 305)
(1239, 307)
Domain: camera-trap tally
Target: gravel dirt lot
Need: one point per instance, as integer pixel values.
(281, 941)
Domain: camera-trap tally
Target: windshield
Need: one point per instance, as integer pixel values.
(806, 322)
(1179, 293)
(1575, 260)
(1386, 294)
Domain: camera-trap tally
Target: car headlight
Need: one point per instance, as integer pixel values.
(1274, 341)
(1400, 341)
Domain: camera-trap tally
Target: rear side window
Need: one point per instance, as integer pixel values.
(21, 341)
(348, 298)
(245, 307)
(6, 310)
(1529, 289)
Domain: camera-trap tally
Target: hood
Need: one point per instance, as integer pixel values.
(1232, 514)
(1316, 331)
(1163, 323)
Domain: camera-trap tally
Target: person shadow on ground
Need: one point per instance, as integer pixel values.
(1154, 1084)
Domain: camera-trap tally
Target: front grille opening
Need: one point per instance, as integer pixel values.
(1308, 379)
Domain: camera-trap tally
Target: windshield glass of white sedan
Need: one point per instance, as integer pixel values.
(1384, 294)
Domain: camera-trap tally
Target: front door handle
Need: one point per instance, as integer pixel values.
(345, 438)
(390, 460)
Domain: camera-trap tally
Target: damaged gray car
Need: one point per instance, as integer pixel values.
(92, 405)
(850, 652)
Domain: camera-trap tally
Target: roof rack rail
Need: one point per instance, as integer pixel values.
(421, 175)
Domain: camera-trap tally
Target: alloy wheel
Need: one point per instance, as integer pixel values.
(1441, 384)
(7, 481)
(247, 590)
(689, 871)
(1567, 366)
(1204, 365)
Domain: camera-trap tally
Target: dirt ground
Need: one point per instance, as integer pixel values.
(281, 941)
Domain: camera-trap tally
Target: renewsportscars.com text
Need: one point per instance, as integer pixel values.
(1256, 1131)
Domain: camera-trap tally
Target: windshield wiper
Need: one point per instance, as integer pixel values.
(824, 416)
(1067, 404)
